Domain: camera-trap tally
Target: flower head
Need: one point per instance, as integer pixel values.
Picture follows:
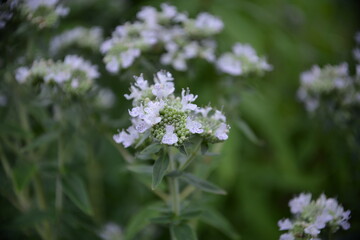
(169, 119)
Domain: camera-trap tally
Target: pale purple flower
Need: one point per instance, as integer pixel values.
(298, 203)
(285, 224)
(193, 126)
(170, 137)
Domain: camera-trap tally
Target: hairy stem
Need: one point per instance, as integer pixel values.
(174, 187)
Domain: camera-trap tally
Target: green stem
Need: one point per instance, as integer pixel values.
(191, 156)
(59, 187)
(45, 229)
(174, 187)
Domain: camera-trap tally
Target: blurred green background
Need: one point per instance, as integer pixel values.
(297, 153)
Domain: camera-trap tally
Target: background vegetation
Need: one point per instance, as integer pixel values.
(294, 152)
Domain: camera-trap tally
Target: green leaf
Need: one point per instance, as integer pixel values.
(139, 221)
(182, 232)
(149, 151)
(202, 184)
(141, 168)
(42, 140)
(215, 219)
(204, 148)
(75, 189)
(248, 132)
(143, 138)
(191, 213)
(23, 174)
(159, 170)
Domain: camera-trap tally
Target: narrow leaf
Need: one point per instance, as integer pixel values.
(202, 184)
(141, 168)
(139, 221)
(159, 170)
(248, 132)
(182, 232)
(149, 151)
(217, 220)
(23, 174)
(42, 140)
(75, 189)
(142, 139)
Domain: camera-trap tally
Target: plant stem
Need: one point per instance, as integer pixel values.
(174, 187)
(44, 230)
(191, 157)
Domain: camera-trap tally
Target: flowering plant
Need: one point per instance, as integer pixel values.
(160, 121)
(313, 217)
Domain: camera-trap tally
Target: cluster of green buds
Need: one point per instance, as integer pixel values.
(311, 217)
(162, 117)
(43, 13)
(73, 75)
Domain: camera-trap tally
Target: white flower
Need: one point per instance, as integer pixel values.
(219, 116)
(221, 132)
(209, 23)
(297, 204)
(186, 100)
(321, 220)
(163, 84)
(128, 57)
(62, 11)
(152, 115)
(245, 50)
(193, 126)
(168, 11)
(203, 111)
(148, 15)
(141, 126)
(138, 88)
(111, 231)
(113, 65)
(106, 46)
(229, 64)
(287, 236)
(312, 230)
(170, 137)
(21, 74)
(127, 138)
(285, 224)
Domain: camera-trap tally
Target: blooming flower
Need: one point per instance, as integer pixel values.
(242, 60)
(74, 74)
(312, 216)
(168, 119)
(79, 36)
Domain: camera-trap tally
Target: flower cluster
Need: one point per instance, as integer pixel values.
(169, 32)
(74, 74)
(80, 37)
(167, 119)
(43, 13)
(331, 88)
(311, 217)
(241, 61)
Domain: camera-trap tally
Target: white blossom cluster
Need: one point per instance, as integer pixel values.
(313, 216)
(80, 37)
(331, 86)
(242, 60)
(168, 32)
(167, 119)
(43, 13)
(74, 74)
